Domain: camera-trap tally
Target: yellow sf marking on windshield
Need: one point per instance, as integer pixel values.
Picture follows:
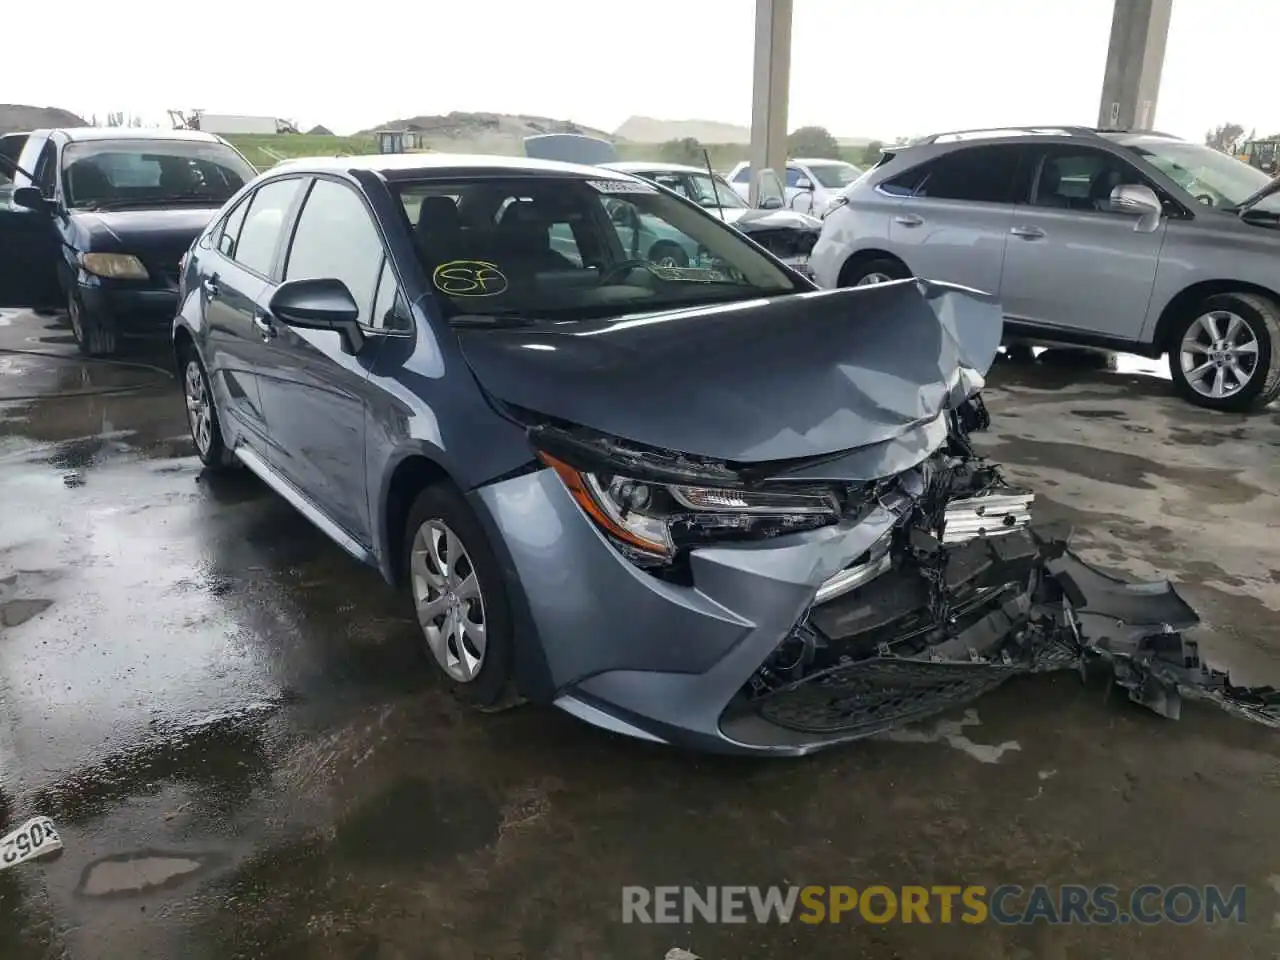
(469, 278)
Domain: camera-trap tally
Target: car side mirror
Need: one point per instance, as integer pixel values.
(804, 183)
(1138, 200)
(322, 304)
(31, 198)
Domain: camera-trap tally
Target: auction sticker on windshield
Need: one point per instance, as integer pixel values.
(35, 838)
(469, 278)
(623, 186)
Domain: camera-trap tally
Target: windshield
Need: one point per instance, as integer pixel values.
(537, 248)
(1211, 177)
(701, 189)
(121, 173)
(834, 175)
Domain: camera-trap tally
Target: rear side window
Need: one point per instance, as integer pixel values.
(259, 235)
(975, 174)
(743, 175)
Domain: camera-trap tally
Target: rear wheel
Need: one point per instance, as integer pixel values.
(460, 598)
(1222, 355)
(202, 415)
(93, 337)
(870, 272)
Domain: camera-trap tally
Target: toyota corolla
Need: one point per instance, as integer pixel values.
(704, 504)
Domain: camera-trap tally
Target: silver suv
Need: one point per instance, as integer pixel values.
(1139, 242)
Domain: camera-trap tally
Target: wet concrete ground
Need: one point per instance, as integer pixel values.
(247, 757)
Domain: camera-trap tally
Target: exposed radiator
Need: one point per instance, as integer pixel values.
(986, 515)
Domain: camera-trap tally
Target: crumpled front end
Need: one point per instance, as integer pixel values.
(683, 589)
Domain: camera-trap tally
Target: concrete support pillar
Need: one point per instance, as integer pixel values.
(1139, 31)
(770, 88)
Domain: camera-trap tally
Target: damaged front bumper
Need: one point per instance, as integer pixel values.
(936, 590)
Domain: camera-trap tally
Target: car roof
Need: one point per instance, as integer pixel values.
(131, 133)
(635, 166)
(407, 166)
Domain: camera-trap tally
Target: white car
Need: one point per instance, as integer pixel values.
(812, 183)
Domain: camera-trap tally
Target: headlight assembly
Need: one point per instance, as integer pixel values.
(118, 266)
(653, 521)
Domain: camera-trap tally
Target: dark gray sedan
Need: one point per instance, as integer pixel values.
(706, 503)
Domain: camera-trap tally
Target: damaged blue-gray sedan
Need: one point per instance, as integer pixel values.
(703, 504)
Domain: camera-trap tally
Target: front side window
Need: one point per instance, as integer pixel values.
(1074, 178)
(976, 174)
(144, 172)
(539, 248)
(335, 238)
(702, 189)
(255, 245)
(1213, 178)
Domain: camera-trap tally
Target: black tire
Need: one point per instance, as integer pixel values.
(213, 454)
(1261, 315)
(858, 275)
(94, 337)
(667, 250)
(492, 687)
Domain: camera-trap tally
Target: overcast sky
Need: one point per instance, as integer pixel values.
(874, 68)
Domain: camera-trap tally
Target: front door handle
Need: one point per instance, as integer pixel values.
(1028, 233)
(908, 220)
(264, 325)
(210, 285)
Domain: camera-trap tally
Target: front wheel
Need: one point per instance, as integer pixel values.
(871, 272)
(1223, 353)
(460, 598)
(93, 336)
(664, 253)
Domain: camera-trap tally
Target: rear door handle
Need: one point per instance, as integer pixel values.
(908, 220)
(264, 325)
(1028, 233)
(210, 285)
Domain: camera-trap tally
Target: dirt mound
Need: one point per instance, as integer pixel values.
(502, 133)
(17, 116)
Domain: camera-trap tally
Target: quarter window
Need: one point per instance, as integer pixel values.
(258, 238)
(386, 303)
(975, 174)
(336, 238)
(230, 230)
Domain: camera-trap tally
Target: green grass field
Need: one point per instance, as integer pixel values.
(264, 149)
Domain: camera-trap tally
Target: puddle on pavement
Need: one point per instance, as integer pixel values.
(138, 873)
(951, 732)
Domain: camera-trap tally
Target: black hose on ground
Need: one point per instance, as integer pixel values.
(88, 391)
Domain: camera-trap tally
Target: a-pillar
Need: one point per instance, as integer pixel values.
(1139, 31)
(770, 88)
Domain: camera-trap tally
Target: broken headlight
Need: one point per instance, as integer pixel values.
(651, 522)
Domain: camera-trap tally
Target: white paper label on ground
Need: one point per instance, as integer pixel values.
(35, 838)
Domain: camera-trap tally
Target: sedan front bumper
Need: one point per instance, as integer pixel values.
(745, 661)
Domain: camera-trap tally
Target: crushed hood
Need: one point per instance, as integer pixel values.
(773, 379)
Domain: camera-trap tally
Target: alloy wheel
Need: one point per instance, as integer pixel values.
(872, 278)
(1219, 354)
(199, 410)
(450, 606)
